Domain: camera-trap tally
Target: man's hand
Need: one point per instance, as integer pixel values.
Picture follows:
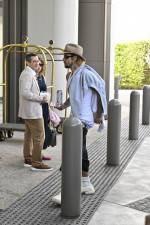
(59, 107)
(97, 120)
(64, 105)
(44, 100)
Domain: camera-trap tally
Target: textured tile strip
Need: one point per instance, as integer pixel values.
(141, 205)
(36, 207)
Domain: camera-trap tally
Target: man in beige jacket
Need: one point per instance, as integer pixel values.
(30, 110)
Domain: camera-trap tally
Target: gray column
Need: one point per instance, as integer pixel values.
(62, 20)
(15, 26)
(10, 38)
(96, 37)
(21, 30)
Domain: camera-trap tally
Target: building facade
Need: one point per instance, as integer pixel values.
(89, 23)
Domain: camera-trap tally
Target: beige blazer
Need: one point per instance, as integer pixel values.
(29, 96)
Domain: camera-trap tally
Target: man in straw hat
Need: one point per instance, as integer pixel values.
(88, 103)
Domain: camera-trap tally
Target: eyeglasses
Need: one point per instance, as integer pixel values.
(67, 56)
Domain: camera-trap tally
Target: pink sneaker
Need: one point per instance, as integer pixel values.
(46, 158)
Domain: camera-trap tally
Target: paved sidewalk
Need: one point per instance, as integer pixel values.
(133, 185)
(122, 205)
(129, 199)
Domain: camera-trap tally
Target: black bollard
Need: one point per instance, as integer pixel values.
(71, 168)
(146, 105)
(134, 115)
(113, 132)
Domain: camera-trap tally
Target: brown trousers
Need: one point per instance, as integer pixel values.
(33, 140)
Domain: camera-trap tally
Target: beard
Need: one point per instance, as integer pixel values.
(67, 66)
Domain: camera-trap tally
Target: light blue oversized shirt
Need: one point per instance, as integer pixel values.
(85, 77)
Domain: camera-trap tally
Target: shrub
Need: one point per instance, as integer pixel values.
(132, 64)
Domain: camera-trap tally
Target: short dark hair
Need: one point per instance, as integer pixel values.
(28, 57)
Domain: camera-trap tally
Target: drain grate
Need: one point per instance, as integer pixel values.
(36, 207)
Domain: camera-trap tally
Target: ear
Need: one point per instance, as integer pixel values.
(27, 63)
(75, 58)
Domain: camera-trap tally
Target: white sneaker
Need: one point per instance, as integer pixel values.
(57, 198)
(88, 190)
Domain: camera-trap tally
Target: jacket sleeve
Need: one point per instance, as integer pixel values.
(89, 79)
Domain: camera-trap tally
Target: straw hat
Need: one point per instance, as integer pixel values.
(74, 49)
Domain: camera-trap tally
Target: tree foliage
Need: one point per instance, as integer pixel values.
(132, 64)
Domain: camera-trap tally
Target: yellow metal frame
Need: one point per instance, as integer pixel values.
(52, 50)
(41, 50)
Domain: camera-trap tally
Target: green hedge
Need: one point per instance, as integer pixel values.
(131, 64)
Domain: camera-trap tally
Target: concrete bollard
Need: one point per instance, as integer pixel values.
(113, 132)
(71, 168)
(117, 87)
(146, 105)
(134, 115)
